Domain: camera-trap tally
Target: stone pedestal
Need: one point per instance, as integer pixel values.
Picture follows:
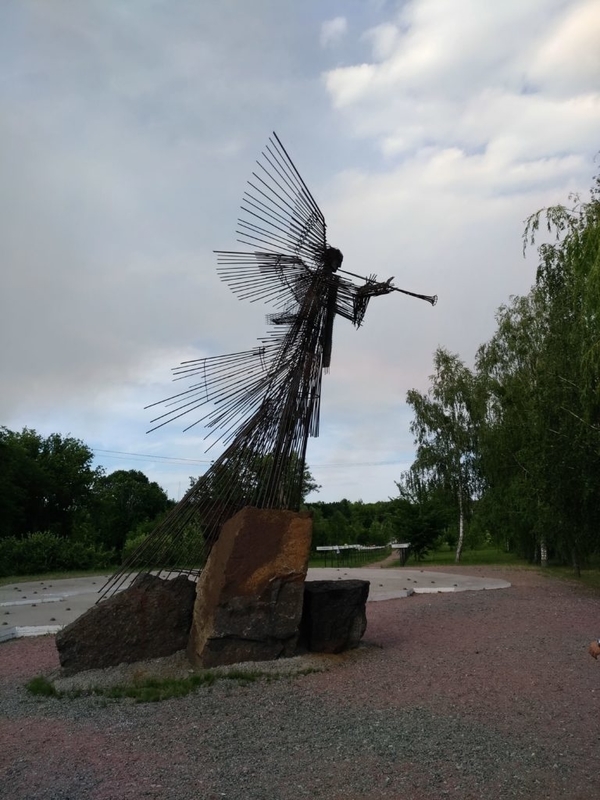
(150, 619)
(334, 618)
(250, 594)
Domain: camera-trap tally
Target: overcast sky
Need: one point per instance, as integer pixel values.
(427, 131)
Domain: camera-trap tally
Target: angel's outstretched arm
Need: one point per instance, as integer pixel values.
(372, 288)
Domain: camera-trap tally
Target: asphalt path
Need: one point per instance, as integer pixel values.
(36, 608)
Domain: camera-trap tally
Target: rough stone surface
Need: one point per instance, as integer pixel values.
(150, 619)
(249, 597)
(334, 617)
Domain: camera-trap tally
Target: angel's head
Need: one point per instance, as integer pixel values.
(333, 259)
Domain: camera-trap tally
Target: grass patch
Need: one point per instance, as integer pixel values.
(486, 555)
(590, 578)
(41, 687)
(154, 690)
(444, 556)
(45, 576)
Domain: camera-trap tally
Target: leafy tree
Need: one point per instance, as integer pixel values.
(45, 483)
(124, 500)
(341, 528)
(321, 533)
(540, 441)
(309, 484)
(514, 430)
(568, 280)
(422, 512)
(445, 428)
(248, 483)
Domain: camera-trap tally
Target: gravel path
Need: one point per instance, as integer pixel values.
(472, 695)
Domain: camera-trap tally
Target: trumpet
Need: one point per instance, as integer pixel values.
(430, 298)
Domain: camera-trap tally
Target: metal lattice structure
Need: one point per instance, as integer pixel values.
(263, 403)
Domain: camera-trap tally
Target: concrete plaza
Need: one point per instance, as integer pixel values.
(40, 607)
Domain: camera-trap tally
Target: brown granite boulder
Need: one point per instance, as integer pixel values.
(150, 619)
(249, 597)
(334, 616)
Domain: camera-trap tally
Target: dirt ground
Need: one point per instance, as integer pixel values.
(486, 694)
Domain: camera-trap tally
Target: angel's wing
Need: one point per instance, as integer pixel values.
(232, 385)
(283, 225)
(271, 277)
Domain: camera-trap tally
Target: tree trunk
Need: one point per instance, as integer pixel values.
(461, 528)
(543, 552)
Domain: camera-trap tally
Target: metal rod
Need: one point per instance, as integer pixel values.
(431, 298)
(261, 404)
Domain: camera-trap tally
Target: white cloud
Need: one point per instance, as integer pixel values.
(384, 40)
(127, 136)
(333, 31)
(568, 59)
(476, 131)
(516, 82)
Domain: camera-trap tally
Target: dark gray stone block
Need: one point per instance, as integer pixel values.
(149, 619)
(334, 615)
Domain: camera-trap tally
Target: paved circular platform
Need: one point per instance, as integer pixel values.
(39, 607)
(388, 584)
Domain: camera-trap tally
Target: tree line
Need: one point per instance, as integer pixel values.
(506, 452)
(423, 522)
(57, 511)
(515, 441)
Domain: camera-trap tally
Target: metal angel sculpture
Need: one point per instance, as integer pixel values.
(263, 403)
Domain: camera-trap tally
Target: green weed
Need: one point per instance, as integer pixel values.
(154, 690)
(41, 687)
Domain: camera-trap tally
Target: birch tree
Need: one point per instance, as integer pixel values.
(445, 429)
(540, 444)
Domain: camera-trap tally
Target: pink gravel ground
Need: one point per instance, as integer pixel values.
(512, 661)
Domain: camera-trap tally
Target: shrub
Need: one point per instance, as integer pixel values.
(171, 551)
(131, 545)
(42, 552)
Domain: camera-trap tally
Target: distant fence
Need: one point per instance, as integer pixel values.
(348, 555)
